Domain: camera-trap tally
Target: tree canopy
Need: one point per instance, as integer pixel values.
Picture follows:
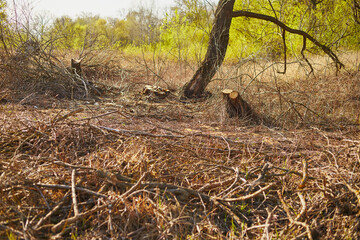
(185, 28)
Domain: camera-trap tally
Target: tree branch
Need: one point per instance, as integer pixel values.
(284, 44)
(303, 55)
(325, 48)
(356, 11)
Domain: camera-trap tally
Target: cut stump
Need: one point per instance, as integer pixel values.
(236, 106)
(155, 90)
(76, 66)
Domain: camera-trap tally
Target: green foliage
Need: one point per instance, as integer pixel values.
(11, 236)
(142, 26)
(324, 21)
(89, 31)
(68, 31)
(185, 38)
(4, 26)
(183, 33)
(2, 10)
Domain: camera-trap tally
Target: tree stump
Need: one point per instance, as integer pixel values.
(76, 66)
(236, 106)
(155, 91)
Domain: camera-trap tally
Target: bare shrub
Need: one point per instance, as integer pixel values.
(35, 64)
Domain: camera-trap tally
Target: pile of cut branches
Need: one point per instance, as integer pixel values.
(32, 67)
(80, 175)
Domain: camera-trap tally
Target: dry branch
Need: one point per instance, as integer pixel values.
(291, 219)
(72, 113)
(201, 184)
(355, 191)
(68, 221)
(73, 192)
(266, 234)
(18, 233)
(305, 174)
(303, 207)
(247, 197)
(79, 216)
(135, 132)
(60, 163)
(50, 213)
(97, 116)
(60, 186)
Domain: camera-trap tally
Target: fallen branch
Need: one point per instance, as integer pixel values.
(73, 192)
(63, 164)
(79, 216)
(60, 186)
(303, 207)
(143, 133)
(247, 197)
(135, 132)
(72, 113)
(18, 233)
(58, 226)
(48, 215)
(134, 187)
(267, 223)
(305, 174)
(288, 171)
(97, 116)
(354, 191)
(291, 219)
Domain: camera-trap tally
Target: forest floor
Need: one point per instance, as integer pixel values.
(125, 165)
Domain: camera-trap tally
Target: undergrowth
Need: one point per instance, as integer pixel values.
(125, 165)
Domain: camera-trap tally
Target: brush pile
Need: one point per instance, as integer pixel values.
(31, 67)
(117, 174)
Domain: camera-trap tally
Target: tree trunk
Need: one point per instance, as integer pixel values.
(219, 39)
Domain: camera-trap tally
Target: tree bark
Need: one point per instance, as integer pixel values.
(218, 42)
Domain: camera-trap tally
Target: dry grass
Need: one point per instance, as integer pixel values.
(137, 167)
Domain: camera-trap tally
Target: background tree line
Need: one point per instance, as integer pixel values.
(183, 32)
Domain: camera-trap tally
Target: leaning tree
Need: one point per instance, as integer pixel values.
(219, 39)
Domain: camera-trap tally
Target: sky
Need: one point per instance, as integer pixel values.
(104, 8)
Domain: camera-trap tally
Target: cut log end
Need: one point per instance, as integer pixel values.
(236, 106)
(156, 91)
(76, 66)
(227, 91)
(234, 95)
